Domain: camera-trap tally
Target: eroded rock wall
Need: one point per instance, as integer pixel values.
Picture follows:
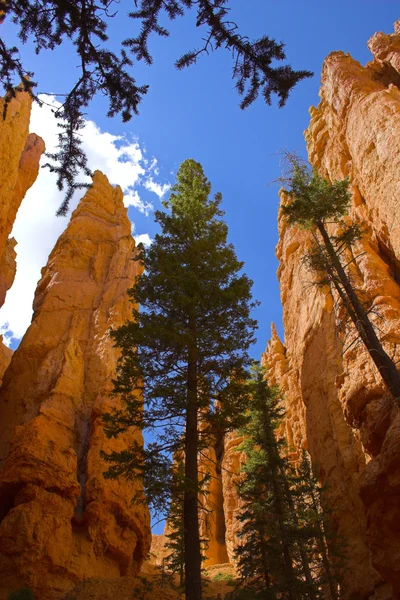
(212, 518)
(61, 521)
(230, 471)
(20, 153)
(336, 402)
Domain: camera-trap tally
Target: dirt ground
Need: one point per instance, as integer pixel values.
(151, 585)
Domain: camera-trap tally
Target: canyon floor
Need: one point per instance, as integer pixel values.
(150, 586)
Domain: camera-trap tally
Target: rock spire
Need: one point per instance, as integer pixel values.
(336, 403)
(61, 521)
(20, 153)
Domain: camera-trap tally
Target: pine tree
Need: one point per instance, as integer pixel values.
(323, 541)
(315, 203)
(272, 558)
(185, 353)
(175, 560)
(48, 23)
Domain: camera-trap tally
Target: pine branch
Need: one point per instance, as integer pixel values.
(84, 24)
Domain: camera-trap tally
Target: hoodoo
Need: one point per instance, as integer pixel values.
(336, 403)
(61, 521)
(20, 153)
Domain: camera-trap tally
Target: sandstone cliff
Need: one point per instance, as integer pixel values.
(19, 165)
(61, 521)
(231, 466)
(335, 400)
(212, 519)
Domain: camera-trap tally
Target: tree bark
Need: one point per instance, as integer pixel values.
(287, 559)
(324, 551)
(192, 551)
(358, 315)
(300, 543)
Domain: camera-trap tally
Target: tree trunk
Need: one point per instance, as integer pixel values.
(358, 315)
(324, 551)
(190, 501)
(300, 543)
(287, 559)
(267, 579)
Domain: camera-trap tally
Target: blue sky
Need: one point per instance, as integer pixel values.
(194, 113)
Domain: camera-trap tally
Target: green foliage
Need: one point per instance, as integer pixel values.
(227, 577)
(175, 560)
(185, 353)
(267, 557)
(190, 270)
(84, 24)
(21, 594)
(313, 204)
(325, 544)
(313, 199)
(283, 535)
(318, 260)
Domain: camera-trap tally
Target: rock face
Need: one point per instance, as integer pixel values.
(212, 520)
(336, 403)
(19, 165)
(61, 521)
(5, 357)
(230, 469)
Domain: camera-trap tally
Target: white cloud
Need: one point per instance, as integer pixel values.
(7, 334)
(144, 239)
(132, 198)
(159, 189)
(36, 228)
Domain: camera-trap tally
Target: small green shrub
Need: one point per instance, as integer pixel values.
(227, 577)
(21, 594)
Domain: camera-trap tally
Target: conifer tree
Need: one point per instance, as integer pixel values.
(102, 71)
(175, 560)
(272, 557)
(323, 541)
(184, 350)
(315, 203)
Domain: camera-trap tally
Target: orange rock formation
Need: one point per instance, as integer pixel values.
(335, 400)
(230, 469)
(61, 521)
(212, 519)
(19, 165)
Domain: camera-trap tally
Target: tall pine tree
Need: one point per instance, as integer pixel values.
(315, 204)
(274, 558)
(326, 549)
(184, 350)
